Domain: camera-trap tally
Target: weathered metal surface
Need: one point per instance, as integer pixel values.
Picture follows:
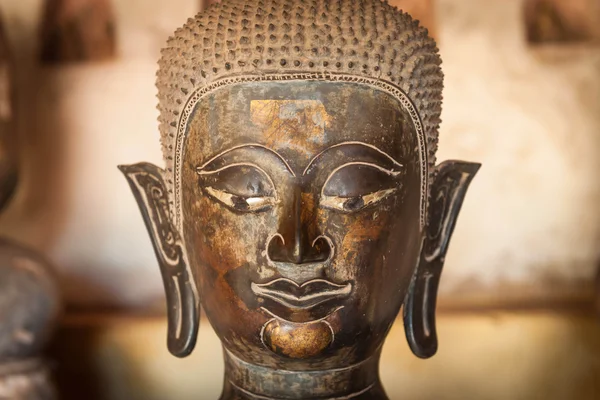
(301, 208)
(147, 184)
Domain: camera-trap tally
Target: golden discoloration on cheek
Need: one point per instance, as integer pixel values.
(362, 229)
(219, 263)
(360, 232)
(222, 249)
(298, 123)
(220, 237)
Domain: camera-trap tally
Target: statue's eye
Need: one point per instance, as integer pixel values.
(355, 186)
(241, 187)
(356, 203)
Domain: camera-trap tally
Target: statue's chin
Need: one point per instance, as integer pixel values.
(297, 340)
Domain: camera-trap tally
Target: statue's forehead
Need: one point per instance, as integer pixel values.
(300, 119)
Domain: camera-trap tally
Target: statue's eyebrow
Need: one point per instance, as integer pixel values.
(352, 143)
(251, 145)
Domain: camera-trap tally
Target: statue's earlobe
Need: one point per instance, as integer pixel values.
(147, 183)
(448, 189)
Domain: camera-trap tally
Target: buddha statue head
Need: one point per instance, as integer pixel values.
(301, 205)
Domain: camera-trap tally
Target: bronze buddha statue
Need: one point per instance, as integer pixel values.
(300, 204)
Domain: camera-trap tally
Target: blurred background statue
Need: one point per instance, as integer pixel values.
(29, 301)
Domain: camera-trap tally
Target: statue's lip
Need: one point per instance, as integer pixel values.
(301, 296)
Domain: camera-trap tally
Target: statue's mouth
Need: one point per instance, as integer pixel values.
(301, 296)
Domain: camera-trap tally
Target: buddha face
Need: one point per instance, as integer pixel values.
(299, 222)
(300, 208)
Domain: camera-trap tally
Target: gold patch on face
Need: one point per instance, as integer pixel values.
(299, 124)
(301, 341)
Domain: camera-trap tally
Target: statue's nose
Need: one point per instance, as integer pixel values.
(300, 266)
(299, 252)
(298, 240)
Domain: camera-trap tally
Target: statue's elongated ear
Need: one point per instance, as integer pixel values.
(147, 183)
(452, 179)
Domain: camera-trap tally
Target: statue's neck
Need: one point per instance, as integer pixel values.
(245, 381)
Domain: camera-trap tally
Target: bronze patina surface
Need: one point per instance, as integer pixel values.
(300, 204)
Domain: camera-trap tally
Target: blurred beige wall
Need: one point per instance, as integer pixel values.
(530, 226)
